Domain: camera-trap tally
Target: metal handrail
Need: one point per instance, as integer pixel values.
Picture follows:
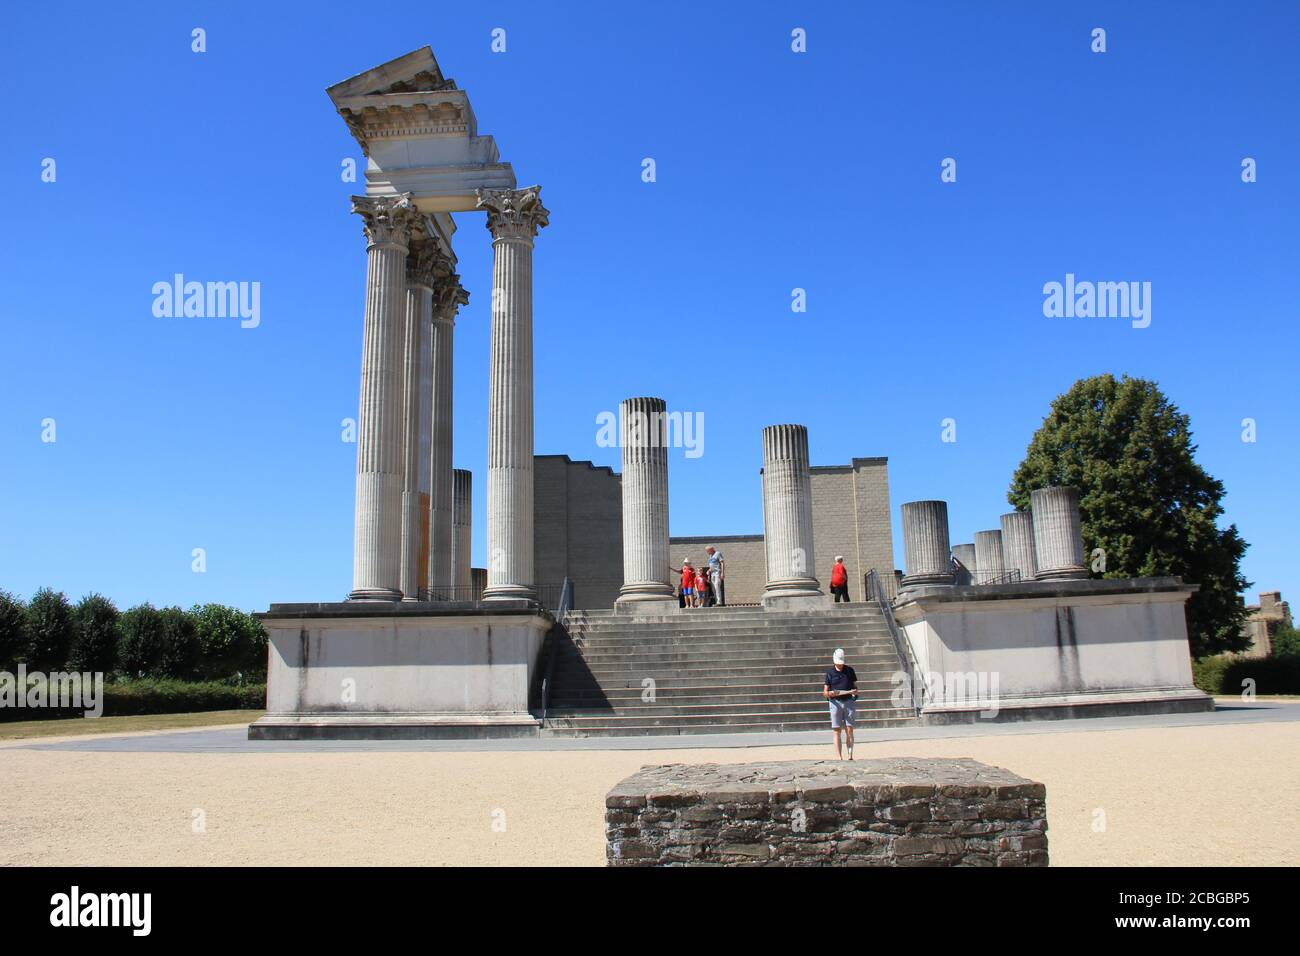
(564, 607)
(873, 588)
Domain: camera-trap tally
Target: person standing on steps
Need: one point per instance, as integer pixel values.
(717, 575)
(840, 580)
(840, 687)
(688, 584)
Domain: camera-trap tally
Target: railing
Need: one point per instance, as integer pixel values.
(995, 577)
(874, 589)
(563, 606)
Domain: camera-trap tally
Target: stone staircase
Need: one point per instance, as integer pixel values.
(716, 670)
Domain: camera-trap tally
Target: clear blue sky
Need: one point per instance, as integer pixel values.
(776, 170)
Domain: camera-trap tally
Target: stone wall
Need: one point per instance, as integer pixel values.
(888, 812)
(579, 530)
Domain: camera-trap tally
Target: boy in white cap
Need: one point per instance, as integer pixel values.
(841, 689)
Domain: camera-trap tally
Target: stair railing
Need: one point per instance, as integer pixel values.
(564, 606)
(874, 588)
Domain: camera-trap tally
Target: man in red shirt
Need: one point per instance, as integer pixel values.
(840, 580)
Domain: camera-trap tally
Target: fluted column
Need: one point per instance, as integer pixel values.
(377, 550)
(988, 557)
(1058, 538)
(787, 515)
(645, 502)
(925, 543)
(415, 379)
(1018, 544)
(448, 297)
(462, 504)
(513, 218)
(965, 553)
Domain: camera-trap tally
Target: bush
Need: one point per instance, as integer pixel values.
(178, 654)
(13, 631)
(95, 640)
(50, 630)
(151, 696)
(140, 647)
(232, 644)
(1224, 674)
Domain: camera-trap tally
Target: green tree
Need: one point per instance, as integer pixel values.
(141, 646)
(13, 631)
(1286, 642)
(1143, 498)
(230, 643)
(94, 644)
(179, 649)
(50, 630)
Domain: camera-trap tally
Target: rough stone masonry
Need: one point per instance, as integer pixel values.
(903, 811)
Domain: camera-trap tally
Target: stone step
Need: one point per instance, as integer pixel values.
(727, 711)
(706, 617)
(721, 651)
(756, 723)
(815, 665)
(737, 684)
(630, 702)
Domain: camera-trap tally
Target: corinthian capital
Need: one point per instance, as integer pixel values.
(389, 220)
(513, 213)
(448, 296)
(423, 262)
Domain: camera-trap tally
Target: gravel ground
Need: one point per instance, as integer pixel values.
(1160, 796)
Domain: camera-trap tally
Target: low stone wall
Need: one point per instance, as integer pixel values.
(887, 812)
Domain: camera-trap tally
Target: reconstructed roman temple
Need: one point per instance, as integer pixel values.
(1009, 626)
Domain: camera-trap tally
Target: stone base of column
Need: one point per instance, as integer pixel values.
(926, 580)
(1063, 574)
(794, 593)
(509, 592)
(646, 597)
(375, 594)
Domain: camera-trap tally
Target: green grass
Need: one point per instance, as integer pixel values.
(78, 727)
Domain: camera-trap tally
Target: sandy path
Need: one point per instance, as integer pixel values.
(1203, 795)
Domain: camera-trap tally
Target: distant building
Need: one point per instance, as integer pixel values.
(1262, 621)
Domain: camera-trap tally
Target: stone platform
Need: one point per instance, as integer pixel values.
(888, 812)
(378, 670)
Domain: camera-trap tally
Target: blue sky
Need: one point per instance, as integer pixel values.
(775, 171)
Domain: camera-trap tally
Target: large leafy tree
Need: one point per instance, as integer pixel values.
(13, 630)
(94, 645)
(50, 630)
(1143, 498)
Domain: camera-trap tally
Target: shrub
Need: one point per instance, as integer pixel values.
(231, 643)
(50, 630)
(1272, 675)
(153, 696)
(1207, 673)
(140, 647)
(179, 651)
(95, 639)
(13, 631)
(1286, 642)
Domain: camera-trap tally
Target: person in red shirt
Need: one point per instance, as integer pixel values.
(840, 580)
(688, 583)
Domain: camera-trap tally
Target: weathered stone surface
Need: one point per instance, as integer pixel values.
(888, 812)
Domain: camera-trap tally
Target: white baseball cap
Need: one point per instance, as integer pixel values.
(838, 656)
(839, 557)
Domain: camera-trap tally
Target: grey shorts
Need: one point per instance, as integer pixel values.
(843, 712)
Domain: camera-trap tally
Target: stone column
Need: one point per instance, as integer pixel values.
(415, 411)
(377, 551)
(448, 297)
(787, 516)
(925, 543)
(513, 218)
(646, 560)
(965, 553)
(1058, 541)
(462, 504)
(988, 557)
(1018, 544)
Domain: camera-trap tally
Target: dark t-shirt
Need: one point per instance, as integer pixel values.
(846, 679)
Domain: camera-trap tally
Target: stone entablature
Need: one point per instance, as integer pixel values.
(899, 811)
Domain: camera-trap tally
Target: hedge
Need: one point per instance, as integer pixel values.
(148, 696)
(1224, 674)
